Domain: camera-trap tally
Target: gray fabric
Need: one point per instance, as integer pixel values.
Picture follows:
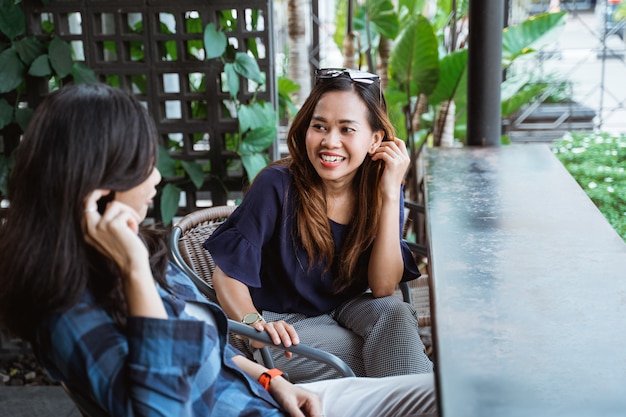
(398, 396)
(376, 337)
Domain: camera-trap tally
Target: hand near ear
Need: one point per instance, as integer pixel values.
(114, 232)
(396, 159)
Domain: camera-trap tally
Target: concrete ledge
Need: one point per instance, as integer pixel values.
(528, 287)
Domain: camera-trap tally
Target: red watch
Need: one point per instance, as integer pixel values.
(267, 376)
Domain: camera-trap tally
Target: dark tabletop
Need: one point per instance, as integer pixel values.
(529, 287)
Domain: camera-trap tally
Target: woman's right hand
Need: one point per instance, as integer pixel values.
(280, 332)
(234, 297)
(114, 233)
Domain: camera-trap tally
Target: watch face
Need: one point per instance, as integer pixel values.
(251, 318)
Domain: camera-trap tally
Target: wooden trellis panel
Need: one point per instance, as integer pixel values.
(155, 49)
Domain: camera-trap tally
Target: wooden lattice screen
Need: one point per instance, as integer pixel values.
(155, 49)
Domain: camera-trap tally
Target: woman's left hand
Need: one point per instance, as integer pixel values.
(297, 401)
(396, 158)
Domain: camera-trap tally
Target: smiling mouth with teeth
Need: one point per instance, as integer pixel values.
(329, 158)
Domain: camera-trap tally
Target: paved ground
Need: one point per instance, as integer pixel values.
(38, 401)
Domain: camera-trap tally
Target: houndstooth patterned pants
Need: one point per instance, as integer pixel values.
(376, 337)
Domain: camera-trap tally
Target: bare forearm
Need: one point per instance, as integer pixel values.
(233, 296)
(386, 264)
(142, 295)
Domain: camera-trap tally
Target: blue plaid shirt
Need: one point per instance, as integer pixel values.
(176, 367)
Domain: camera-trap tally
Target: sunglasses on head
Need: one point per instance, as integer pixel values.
(354, 75)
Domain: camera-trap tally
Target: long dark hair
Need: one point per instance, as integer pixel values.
(81, 137)
(313, 227)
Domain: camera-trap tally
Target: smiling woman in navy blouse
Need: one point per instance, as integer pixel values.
(314, 252)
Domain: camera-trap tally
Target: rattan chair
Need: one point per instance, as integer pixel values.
(186, 240)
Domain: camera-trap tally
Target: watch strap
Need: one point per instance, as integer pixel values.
(266, 377)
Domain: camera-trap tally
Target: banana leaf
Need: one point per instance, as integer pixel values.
(414, 62)
(452, 68)
(531, 35)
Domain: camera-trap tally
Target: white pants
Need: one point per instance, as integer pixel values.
(394, 396)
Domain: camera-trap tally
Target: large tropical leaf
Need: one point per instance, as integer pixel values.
(411, 7)
(170, 196)
(28, 49)
(414, 58)
(6, 113)
(257, 140)
(517, 91)
(248, 67)
(531, 35)
(341, 13)
(165, 163)
(214, 42)
(254, 163)
(396, 103)
(194, 170)
(232, 80)
(452, 67)
(286, 106)
(523, 97)
(513, 84)
(60, 56)
(255, 115)
(82, 74)
(40, 67)
(384, 17)
(368, 36)
(12, 20)
(11, 70)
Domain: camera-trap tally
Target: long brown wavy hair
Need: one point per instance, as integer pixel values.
(313, 225)
(81, 138)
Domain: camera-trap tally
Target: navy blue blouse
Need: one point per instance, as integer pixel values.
(257, 246)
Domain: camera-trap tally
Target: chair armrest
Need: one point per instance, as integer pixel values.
(304, 350)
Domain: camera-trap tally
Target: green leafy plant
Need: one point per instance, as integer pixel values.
(428, 59)
(256, 118)
(597, 161)
(24, 57)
